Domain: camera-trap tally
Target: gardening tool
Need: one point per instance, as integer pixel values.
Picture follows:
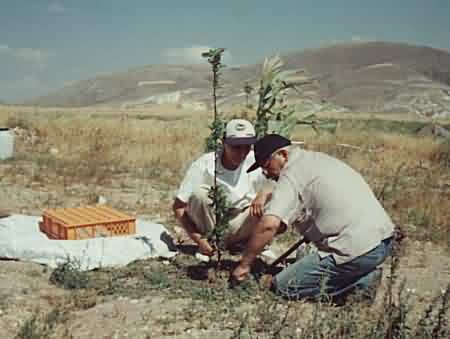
(288, 252)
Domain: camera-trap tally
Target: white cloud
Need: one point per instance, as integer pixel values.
(353, 39)
(56, 7)
(34, 57)
(28, 82)
(23, 71)
(190, 55)
(4, 49)
(25, 87)
(357, 38)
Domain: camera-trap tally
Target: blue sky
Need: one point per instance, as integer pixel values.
(45, 44)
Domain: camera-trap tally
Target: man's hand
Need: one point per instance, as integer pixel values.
(264, 232)
(205, 248)
(257, 205)
(240, 273)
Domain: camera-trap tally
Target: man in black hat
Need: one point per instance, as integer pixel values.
(333, 207)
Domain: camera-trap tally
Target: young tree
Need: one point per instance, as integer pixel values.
(220, 203)
(273, 113)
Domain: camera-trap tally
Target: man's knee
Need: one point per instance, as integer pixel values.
(200, 197)
(302, 279)
(200, 211)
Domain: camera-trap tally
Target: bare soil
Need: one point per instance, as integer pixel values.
(25, 290)
(169, 304)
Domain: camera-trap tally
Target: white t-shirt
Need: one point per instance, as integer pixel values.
(241, 187)
(335, 199)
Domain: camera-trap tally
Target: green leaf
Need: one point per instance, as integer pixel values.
(329, 126)
(311, 116)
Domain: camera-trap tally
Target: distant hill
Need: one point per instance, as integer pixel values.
(369, 76)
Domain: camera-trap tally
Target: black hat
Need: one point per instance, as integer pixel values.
(264, 148)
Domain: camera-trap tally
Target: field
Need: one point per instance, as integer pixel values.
(135, 159)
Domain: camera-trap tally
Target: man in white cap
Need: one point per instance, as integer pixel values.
(247, 192)
(333, 207)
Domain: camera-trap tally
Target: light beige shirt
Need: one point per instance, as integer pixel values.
(333, 205)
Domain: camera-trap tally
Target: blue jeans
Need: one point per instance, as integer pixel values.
(312, 276)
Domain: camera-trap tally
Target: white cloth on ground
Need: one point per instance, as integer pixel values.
(20, 238)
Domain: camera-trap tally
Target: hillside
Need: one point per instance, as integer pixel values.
(370, 76)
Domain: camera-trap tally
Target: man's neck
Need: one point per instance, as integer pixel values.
(226, 163)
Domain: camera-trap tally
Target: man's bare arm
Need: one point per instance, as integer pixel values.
(265, 230)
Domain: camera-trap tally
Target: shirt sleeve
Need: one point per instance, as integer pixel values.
(260, 182)
(192, 180)
(285, 203)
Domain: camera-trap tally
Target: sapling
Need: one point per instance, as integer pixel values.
(273, 113)
(219, 201)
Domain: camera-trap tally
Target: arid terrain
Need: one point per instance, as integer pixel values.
(135, 159)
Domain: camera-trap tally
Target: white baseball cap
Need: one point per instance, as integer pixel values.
(239, 132)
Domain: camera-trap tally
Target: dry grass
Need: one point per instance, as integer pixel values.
(75, 154)
(409, 175)
(87, 147)
(385, 116)
(69, 160)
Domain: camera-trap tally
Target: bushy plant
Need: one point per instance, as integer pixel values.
(69, 275)
(273, 113)
(271, 100)
(42, 325)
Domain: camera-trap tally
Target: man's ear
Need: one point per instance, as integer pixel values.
(284, 153)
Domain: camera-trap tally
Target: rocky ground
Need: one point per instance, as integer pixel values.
(168, 302)
(25, 291)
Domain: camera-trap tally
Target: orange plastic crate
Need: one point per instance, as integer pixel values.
(86, 222)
